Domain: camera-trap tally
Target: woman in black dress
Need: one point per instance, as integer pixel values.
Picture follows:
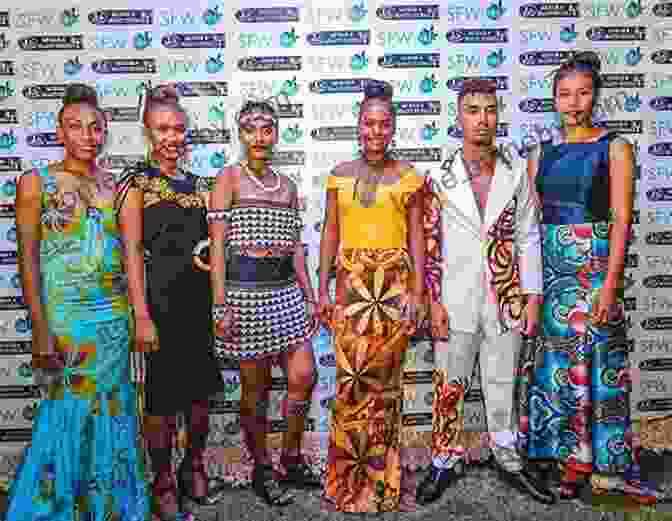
(163, 218)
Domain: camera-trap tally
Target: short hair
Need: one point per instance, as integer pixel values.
(476, 86)
(76, 93)
(161, 96)
(586, 62)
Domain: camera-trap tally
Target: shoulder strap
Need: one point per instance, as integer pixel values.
(127, 180)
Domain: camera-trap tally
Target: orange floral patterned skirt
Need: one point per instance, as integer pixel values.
(370, 341)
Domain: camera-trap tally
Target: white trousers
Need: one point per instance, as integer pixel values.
(498, 356)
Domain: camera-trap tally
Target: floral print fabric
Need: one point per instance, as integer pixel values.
(363, 467)
(84, 461)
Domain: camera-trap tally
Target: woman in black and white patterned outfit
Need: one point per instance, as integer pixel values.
(261, 288)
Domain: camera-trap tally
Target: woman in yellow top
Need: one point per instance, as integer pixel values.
(374, 231)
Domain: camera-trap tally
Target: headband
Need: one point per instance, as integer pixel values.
(253, 109)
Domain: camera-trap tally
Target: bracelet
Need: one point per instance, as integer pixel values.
(219, 312)
(218, 215)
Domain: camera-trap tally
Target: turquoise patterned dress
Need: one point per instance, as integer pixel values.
(85, 461)
(578, 399)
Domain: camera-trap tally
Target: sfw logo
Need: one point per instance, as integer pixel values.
(18, 415)
(425, 37)
(210, 17)
(470, 13)
(567, 34)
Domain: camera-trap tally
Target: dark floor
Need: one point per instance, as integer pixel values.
(478, 497)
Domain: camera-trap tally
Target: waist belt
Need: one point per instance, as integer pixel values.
(241, 268)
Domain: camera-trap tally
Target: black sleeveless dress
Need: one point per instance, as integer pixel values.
(179, 295)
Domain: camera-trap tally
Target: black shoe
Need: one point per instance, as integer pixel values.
(301, 475)
(524, 481)
(436, 482)
(267, 488)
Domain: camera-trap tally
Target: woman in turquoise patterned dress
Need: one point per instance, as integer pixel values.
(84, 461)
(579, 411)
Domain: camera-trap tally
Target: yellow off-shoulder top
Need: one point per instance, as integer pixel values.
(382, 225)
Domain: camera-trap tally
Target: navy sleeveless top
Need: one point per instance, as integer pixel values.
(573, 182)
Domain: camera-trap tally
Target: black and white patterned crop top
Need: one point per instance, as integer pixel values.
(255, 225)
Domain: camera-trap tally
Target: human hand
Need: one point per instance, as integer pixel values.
(45, 355)
(325, 309)
(223, 319)
(531, 316)
(146, 336)
(413, 312)
(607, 307)
(440, 320)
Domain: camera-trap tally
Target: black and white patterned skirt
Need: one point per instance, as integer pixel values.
(269, 312)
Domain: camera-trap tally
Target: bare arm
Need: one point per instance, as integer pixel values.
(621, 179)
(221, 200)
(130, 223)
(329, 242)
(300, 261)
(28, 214)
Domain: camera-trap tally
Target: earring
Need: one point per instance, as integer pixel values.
(391, 152)
(148, 152)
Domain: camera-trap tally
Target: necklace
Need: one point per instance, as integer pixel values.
(366, 184)
(257, 182)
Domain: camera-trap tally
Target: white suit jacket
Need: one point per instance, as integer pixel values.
(488, 264)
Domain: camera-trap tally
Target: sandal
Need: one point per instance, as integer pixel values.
(572, 483)
(161, 489)
(301, 476)
(569, 490)
(268, 489)
(186, 473)
(633, 489)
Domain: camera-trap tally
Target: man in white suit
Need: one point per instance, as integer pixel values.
(489, 295)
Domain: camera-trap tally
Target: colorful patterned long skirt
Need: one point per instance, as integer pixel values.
(578, 398)
(85, 459)
(364, 468)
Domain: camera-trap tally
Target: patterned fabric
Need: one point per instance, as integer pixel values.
(363, 467)
(268, 319)
(448, 419)
(432, 226)
(273, 226)
(84, 460)
(504, 268)
(269, 316)
(578, 398)
(579, 402)
(157, 188)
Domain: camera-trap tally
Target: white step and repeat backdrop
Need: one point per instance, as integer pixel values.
(318, 52)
